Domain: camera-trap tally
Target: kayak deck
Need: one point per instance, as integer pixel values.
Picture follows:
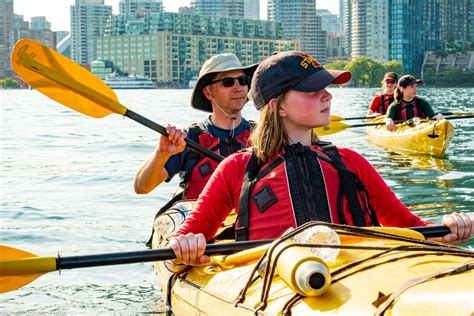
(428, 137)
(370, 267)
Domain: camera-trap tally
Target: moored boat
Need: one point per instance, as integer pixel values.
(424, 137)
(378, 271)
(129, 82)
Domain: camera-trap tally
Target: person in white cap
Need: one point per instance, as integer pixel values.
(222, 90)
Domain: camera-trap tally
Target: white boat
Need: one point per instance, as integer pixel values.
(115, 81)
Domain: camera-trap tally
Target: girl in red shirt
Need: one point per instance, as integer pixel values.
(289, 90)
(381, 102)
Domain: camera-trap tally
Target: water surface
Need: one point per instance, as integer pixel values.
(67, 187)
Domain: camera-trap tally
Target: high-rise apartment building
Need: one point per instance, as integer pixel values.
(252, 9)
(347, 27)
(6, 28)
(458, 20)
(369, 29)
(410, 38)
(140, 6)
(39, 23)
(329, 22)
(300, 21)
(222, 8)
(88, 20)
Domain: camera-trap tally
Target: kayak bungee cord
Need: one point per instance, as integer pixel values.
(429, 248)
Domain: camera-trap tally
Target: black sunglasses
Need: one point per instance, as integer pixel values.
(229, 82)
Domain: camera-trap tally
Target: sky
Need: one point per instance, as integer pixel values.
(57, 11)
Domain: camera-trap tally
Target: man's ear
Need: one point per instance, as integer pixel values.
(206, 91)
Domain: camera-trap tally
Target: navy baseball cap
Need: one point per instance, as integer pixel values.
(291, 70)
(408, 80)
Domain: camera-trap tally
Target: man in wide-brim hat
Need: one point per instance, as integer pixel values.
(222, 90)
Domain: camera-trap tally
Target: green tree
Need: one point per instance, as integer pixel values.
(429, 76)
(359, 69)
(10, 83)
(450, 76)
(375, 73)
(395, 66)
(337, 65)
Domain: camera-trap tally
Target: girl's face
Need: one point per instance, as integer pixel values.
(389, 86)
(409, 92)
(306, 110)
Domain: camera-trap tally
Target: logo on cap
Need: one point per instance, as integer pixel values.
(308, 60)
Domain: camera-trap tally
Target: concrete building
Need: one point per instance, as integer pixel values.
(88, 20)
(437, 66)
(6, 29)
(222, 8)
(252, 9)
(170, 48)
(300, 21)
(39, 23)
(140, 6)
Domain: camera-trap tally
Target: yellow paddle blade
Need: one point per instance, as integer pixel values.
(64, 81)
(18, 268)
(337, 118)
(332, 128)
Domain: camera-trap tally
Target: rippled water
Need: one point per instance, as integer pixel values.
(67, 187)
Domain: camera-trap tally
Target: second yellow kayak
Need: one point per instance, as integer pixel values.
(427, 137)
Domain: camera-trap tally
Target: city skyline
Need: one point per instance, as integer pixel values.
(60, 15)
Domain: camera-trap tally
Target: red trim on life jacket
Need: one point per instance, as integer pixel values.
(204, 168)
(385, 101)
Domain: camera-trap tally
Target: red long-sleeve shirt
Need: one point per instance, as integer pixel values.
(222, 192)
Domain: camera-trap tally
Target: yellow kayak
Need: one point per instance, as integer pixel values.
(426, 137)
(378, 271)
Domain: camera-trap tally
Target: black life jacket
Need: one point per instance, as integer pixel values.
(308, 191)
(410, 110)
(198, 169)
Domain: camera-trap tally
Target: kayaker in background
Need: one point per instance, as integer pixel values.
(290, 177)
(222, 90)
(382, 101)
(407, 105)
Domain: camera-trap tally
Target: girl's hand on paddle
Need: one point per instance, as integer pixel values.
(390, 124)
(461, 226)
(173, 143)
(189, 249)
(439, 117)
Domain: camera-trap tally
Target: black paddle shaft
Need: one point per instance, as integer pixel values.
(168, 254)
(455, 117)
(109, 259)
(160, 129)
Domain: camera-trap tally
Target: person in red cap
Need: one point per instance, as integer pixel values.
(407, 104)
(382, 101)
(221, 90)
(289, 177)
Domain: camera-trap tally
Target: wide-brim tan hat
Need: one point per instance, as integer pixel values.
(212, 66)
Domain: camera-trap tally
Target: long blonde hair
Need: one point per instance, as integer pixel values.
(269, 135)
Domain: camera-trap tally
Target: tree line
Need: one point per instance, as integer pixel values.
(366, 71)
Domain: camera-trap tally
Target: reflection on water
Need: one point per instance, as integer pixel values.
(421, 161)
